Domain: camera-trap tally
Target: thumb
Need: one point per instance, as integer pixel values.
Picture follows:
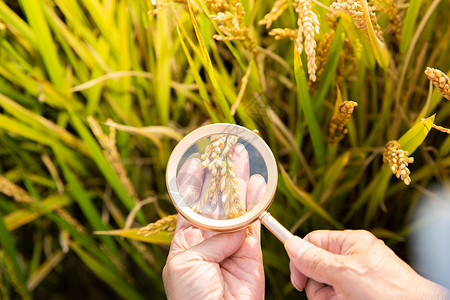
(314, 262)
(216, 248)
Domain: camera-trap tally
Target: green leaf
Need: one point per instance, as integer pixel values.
(329, 72)
(10, 251)
(378, 186)
(47, 48)
(305, 101)
(103, 164)
(307, 200)
(415, 136)
(408, 24)
(21, 217)
(115, 281)
(358, 41)
(379, 48)
(162, 237)
(210, 69)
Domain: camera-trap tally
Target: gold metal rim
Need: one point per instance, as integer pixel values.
(231, 224)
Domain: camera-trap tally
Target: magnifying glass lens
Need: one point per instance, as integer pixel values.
(216, 176)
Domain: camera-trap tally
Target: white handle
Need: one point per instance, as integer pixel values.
(275, 227)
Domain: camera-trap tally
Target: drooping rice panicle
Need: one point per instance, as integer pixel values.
(283, 33)
(308, 26)
(223, 183)
(440, 80)
(277, 9)
(168, 223)
(337, 129)
(398, 161)
(356, 10)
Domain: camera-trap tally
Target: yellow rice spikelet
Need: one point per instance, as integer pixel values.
(230, 19)
(308, 26)
(440, 80)
(337, 129)
(168, 223)
(11, 189)
(283, 33)
(108, 143)
(323, 51)
(356, 10)
(277, 9)
(395, 20)
(398, 161)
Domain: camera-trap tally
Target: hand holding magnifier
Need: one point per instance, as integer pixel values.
(212, 171)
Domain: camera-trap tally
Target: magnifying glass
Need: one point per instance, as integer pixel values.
(209, 174)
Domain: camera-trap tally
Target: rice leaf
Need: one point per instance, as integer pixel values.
(209, 67)
(10, 251)
(408, 24)
(47, 48)
(358, 41)
(83, 199)
(377, 188)
(17, 24)
(162, 237)
(22, 217)
(201, 86)
(103, 164)
(414, 137)
(305, 101)
(307, 200)
(379, 48)
(329, 72)
(114, 280)
(43, 270)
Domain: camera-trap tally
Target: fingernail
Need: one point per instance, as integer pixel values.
(257, 179)
(295, 285)
(295, 247)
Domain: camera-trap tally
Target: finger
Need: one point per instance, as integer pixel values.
(216, 248)
(319, 291)
(340, 242)
(190, 180)
(256, 188)
(241, 167)
(297, 278)
(314, 262)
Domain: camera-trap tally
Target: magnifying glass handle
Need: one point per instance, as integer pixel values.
(275, 227)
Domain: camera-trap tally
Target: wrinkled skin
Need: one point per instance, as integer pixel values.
(327, 264)
(207, 265)
(354, 264)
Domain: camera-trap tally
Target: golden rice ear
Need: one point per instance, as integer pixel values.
(398, 161)
(337, 129)
(223, 177)
(230, 19)
(356, 10)
(440, 80)
(284, 33)
(277, 9)
(167, 223)
(308, 26)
